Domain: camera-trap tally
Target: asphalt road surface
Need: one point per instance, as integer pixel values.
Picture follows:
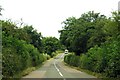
(55, 68)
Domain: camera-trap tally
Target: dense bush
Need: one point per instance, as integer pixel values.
(80, 34)
(98, 38)
(72, 60)
(50, 45)
(94, 60)
(18, 56)
(23, 47)
(104, 59)
(113, 57)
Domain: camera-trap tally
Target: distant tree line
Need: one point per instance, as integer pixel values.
(95, 39)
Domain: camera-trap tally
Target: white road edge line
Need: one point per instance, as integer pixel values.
(58, 70)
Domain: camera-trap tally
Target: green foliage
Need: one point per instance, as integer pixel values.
(23, 47)
(103, 44)
(94, 60)
(34, 38)
(17, 54)
(50, 44)
(113, 68)
(78, 35)
(31, 36)
(72, 60)
(104, 59)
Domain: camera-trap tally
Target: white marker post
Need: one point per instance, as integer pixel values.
(119, 6)
(119, 10)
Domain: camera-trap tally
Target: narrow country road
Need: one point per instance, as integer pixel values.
(55, 68)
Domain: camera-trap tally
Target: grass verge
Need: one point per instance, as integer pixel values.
(98, 75)
(27, 71)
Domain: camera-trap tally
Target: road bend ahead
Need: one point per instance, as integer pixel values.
(55, 68)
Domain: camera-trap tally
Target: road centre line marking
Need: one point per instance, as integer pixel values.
(60, 74)
(58, 70)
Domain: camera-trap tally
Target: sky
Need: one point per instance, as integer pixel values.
(46, 15)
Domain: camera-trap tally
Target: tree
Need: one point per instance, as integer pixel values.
(35, 38)
(78, 35)
(103, 44)
(50, 44)
(18, 54)
(1, 10)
